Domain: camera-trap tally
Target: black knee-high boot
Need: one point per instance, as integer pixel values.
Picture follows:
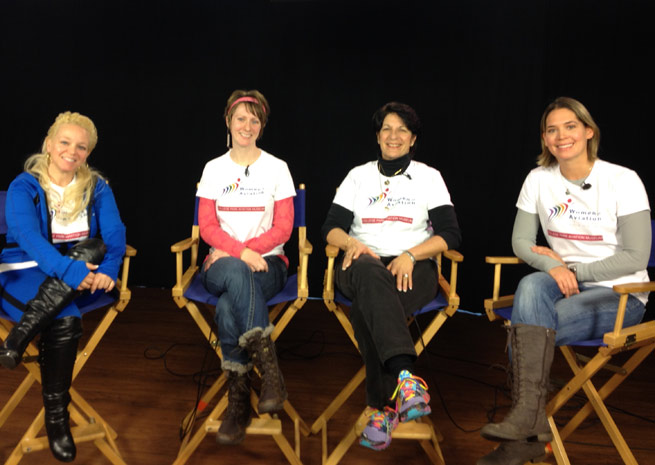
(53, 295)
(57, 353)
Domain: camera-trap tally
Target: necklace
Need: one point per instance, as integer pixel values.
(381, 171)
(385, 191)
(584, 185)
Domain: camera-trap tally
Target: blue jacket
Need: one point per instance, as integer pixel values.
(28, 222)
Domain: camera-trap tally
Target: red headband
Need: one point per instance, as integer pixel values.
(246, 99)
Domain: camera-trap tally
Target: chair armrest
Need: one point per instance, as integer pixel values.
(305, 247)
(121, 283)
(625, 290)
(503, 260)
(498, 301)
(629, 288)
(183, 277)
(331, 251)
(183, 245)
(449, 287)
(454, 256)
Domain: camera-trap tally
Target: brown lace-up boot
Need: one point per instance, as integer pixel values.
(261, 348)
(532, 355)
(237, 414)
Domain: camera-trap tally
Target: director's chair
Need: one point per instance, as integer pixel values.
(90, 426)
(639, 339)
(189, 291)
(445, 304)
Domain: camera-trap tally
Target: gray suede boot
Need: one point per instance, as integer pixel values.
(532, 355)
(515, 453)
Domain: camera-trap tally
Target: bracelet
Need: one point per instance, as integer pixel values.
(411, 256)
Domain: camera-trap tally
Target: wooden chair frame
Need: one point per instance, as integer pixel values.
(90, 426)
(280, 314)
(638, 338)
(422, 429)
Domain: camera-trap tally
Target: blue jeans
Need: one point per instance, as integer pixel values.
(242, 296)
(587, 315)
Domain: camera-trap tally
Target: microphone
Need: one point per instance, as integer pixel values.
(407, 176)
(585, 186)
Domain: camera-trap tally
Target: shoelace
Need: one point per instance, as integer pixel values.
(416, 379)
(382, 415)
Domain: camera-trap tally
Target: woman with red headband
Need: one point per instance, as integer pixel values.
(246, 216)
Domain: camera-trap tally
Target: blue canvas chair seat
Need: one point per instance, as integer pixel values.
(444, 305)
(638, 339)
(89, 425)
(189, 292)
(197, 292)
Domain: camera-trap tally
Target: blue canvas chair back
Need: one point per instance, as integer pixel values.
(506, 312)
(3, 220)
(102, 301)
(197, 291)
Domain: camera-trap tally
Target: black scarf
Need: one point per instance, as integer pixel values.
(393, 167)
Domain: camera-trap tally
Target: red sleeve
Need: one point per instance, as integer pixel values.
(211, 231)
(280, 231)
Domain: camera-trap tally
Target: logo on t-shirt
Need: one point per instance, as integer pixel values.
(230, 188)
(377, 199)
(557, 211)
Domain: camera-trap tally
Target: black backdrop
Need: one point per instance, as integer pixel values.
(154, 76)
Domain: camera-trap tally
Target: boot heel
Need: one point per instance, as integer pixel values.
(9, 359)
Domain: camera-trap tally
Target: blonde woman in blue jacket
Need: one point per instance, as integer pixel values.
(65, 241)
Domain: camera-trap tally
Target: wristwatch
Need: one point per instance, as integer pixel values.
(573, 268)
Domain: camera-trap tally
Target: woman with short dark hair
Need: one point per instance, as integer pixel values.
(390, 216)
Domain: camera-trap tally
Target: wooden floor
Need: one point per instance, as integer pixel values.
(141, 379)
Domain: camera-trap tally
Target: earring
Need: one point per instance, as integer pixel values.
(228, 139)
(47, 157)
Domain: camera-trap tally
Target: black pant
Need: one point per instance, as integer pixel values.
(379, 315)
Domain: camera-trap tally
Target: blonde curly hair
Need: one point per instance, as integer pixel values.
(76, 196)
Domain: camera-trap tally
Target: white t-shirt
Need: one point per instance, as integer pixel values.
(76, 230)
(244, 204)
(581, 225)
(391, 213)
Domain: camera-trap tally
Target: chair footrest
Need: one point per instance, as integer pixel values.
(412, 430)
(84, 433)
(267, 426)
